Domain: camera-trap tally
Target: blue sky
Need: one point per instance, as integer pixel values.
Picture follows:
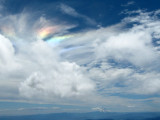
(79, 56)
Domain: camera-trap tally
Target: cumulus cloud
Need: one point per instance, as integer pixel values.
(64, 80)
(37, 66)
(129, 46)
(135, 44)
(117, 54)
(6, 52)
(52, 77)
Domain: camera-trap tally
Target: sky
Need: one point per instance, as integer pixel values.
(79, 56)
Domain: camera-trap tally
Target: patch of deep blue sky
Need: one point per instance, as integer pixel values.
(103, 12)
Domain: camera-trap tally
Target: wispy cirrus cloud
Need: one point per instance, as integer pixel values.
(128, 4)
(72, 12)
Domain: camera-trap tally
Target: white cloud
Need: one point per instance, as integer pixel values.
(49, 76)
(6, 51)
(133, 46)
(26, 27)
(25, 56)
(129, 46)
(83, 73)
(26, 60)
(145, 83)
(99, 109)
(127, 81)
(64, 80)
(7, 55)
(128, 4)
(70, 11)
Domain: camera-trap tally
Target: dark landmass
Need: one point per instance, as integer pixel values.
(87, 116)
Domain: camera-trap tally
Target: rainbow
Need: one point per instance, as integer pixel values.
(48, 34)
(45, 32)
(8, 32)
(58, 39)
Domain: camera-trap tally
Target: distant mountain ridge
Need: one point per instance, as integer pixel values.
(87, 116)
